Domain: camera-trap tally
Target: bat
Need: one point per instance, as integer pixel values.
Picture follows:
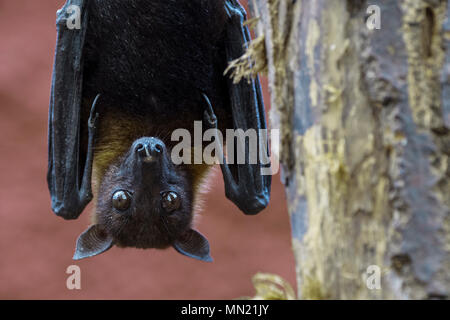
(132, 73)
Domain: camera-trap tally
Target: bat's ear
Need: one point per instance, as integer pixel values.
(193, 244)
(92, 242)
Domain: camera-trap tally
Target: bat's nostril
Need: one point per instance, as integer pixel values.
(158, 148)
(140, 148)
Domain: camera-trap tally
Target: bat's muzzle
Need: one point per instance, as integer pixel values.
(149, 149)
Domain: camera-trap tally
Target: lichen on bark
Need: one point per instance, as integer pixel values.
(364, 125)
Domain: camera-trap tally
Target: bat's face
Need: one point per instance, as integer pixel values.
(144, 201)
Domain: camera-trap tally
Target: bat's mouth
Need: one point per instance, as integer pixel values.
(149, 156)
(149, 159)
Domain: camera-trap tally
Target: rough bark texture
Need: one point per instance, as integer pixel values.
(364, 118)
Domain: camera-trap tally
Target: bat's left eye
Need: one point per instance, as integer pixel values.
(121, 200)
(170, 201)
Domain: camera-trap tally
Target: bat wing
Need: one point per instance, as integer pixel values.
(245, 184)
(69, 177)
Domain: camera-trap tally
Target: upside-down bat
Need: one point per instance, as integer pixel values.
(132, 73)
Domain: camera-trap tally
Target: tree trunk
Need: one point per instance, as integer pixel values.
(365, 143)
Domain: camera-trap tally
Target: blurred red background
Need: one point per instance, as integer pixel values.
(36, 247)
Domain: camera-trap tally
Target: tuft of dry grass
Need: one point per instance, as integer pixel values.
(271, 287)
(252, 62)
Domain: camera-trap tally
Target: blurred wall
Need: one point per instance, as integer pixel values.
(36, 247)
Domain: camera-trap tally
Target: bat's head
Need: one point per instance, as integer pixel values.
(144, 201)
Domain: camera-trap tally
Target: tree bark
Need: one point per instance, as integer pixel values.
(365, 142)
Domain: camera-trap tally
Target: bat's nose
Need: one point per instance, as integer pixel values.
(149, 149)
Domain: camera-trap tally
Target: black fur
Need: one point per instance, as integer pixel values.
(155, 56)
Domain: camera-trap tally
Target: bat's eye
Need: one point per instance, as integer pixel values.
(170, 201)
(121, 200)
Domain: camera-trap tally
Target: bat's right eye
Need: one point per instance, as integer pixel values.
(121, 200)
(170, 201)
